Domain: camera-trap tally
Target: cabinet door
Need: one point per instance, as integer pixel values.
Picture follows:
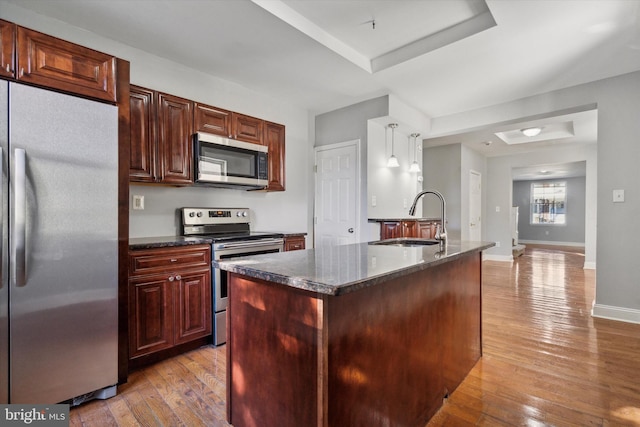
(143, 153)
(193, 306)
(425, 229)
(409, 229)
(390, 230)
(274, 140)
(55, 63)
(246, 128)
(212, 120)
(150, 314)
(175, 129)
(7, 49)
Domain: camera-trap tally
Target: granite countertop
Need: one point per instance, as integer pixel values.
(336, 270)
(169, 241)
(166, 242)
(406, 218)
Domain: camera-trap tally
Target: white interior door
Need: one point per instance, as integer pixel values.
(475, 206)
(337, 194)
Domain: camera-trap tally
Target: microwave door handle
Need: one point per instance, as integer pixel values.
(18, 248)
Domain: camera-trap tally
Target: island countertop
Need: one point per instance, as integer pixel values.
(336, 270)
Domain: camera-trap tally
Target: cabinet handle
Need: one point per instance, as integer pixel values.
(22, 72)
(173, 260)
(178, 277)
(8, 68)
(171, 278)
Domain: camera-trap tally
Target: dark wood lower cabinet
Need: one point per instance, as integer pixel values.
(424, 229)
(294, 243)
(383, 355)
(169, 299)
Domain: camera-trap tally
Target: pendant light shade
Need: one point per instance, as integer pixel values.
(415, 167)
(392, 162)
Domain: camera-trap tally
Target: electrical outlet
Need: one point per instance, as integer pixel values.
(138, 202)
(497, 208)
(374, 200)
(404, 203)
(497, 244)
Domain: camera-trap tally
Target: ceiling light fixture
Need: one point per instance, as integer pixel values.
(534, 131)
(415, 167)
(393, 160)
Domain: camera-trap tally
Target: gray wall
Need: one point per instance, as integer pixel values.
(617, 157)
(447, 181)
(571, 232)
(348, 124)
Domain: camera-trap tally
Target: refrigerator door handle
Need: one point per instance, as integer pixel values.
(18, 247)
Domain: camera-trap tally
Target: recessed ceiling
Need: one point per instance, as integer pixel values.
(575, 127)
(376, 35)
(536, 47)
(553, 129)
(550, 171)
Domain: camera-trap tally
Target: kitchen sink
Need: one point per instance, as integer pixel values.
(406, 241)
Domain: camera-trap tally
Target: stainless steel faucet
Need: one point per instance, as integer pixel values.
(441, 231)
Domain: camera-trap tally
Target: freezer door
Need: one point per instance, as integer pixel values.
(4, 229)
(63, 165)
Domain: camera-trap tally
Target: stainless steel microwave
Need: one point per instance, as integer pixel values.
(224, 162)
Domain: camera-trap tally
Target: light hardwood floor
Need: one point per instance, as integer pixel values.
(546, 361)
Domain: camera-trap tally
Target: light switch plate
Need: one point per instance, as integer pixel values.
(138, 202)
(618, 196)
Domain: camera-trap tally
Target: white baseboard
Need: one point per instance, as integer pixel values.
(503, 258)
(589, 265)
(621, 314)
(551, 243)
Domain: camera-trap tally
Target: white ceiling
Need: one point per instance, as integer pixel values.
(439, 56)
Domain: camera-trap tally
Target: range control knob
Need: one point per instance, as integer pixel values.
(192, 214)
(199, 214)
(238, 213)
(245, 213)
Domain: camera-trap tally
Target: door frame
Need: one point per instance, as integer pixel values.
(480, 225)
(358, 193)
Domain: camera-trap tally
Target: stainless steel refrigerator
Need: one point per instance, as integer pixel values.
(58, 291)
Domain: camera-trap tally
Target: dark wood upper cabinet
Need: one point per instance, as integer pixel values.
(7, 49)
(49, 61)
(161, 129)
(175, 129)
(212, 120)
(144, 143)
(246, 128)
(274, 140)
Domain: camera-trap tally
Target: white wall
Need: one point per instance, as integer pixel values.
(286, 211)
(393, 188)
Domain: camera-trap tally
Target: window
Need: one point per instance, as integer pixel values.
(548, 203)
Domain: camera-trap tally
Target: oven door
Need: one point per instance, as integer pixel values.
(224, 251)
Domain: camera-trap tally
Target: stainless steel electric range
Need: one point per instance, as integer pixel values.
(229, 229)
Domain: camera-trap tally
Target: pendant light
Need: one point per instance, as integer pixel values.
(393, 160)
(415, 167)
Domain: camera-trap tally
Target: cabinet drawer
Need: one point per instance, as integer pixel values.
(147, 261)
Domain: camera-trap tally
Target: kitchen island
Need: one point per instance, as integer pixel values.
(352, 335)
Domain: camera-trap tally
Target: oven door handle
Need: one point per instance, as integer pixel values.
(250, 244)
